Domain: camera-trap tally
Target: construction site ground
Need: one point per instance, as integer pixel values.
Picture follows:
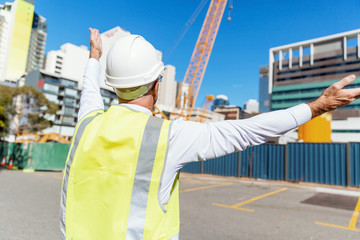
(211, 208)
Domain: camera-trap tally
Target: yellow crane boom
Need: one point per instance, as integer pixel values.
(195, 72)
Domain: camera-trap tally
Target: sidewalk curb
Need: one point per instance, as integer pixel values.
(315, 187)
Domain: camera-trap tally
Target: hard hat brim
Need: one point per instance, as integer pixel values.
(134, 81)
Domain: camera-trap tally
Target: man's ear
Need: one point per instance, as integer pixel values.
(154, 91)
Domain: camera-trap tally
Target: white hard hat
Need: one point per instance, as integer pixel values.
(132, 61)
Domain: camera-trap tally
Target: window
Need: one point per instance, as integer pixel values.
(70, 92)
(68, 120)
(69, 111)
(51, 88)
(51, 97)
(69, 102)
(68, 83)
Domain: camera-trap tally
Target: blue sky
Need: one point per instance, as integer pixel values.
(241, 47)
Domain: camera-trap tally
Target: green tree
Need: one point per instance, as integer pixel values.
(27, 107)
(6, 109)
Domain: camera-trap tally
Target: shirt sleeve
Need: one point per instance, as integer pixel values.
(91, 99)
(192, 141)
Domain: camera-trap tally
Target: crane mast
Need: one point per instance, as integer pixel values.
(195, 72)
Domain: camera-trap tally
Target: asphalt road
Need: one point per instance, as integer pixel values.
(211, 208)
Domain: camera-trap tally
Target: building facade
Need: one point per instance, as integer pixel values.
(264, 96)
(167, 90)
(15, 27)
(299, 72)
(68, 62)
(37, 44)
(66, 93)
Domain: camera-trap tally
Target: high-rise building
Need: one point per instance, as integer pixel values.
(299, 72)
(15, 28)
(35, 58)
(264, 96)
(167, 90)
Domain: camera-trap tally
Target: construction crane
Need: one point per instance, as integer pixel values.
(195, 72)
(203, 115)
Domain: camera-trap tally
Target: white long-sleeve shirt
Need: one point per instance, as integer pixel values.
(193, 141)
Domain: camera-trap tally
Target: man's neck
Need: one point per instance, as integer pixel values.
(145, 101)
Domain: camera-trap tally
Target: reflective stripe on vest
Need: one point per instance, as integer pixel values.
(139, 197)
(112, 180)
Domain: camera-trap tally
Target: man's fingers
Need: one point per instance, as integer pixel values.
(354, 92)
(345, 81)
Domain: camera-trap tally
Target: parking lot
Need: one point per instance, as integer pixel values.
(211, 208)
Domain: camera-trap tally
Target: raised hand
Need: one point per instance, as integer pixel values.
(335, 97)
(95, 44)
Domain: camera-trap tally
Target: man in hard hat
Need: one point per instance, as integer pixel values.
(121, 179)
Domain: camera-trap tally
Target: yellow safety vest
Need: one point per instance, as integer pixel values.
(112, 180)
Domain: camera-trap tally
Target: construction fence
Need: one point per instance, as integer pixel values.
(326, 163)
(37, 156)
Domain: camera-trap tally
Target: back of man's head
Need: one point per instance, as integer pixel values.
(132, 67)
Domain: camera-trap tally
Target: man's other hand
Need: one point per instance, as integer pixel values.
(335, 97)
(95, 44)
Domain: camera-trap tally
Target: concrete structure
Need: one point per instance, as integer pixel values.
(264, 96)
(346, 130)
(299, 72)
(35, 58)
(16, 20)
(66, 93)
(167, 90)
(231, 112)
(210, 116)
(251, 106)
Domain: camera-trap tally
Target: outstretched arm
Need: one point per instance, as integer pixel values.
(194, 141)
(91, 99)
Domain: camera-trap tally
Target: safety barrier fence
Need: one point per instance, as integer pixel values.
(326, 163)
(38, 156)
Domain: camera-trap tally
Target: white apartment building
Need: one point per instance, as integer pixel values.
(68, 62)
(5, 27)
